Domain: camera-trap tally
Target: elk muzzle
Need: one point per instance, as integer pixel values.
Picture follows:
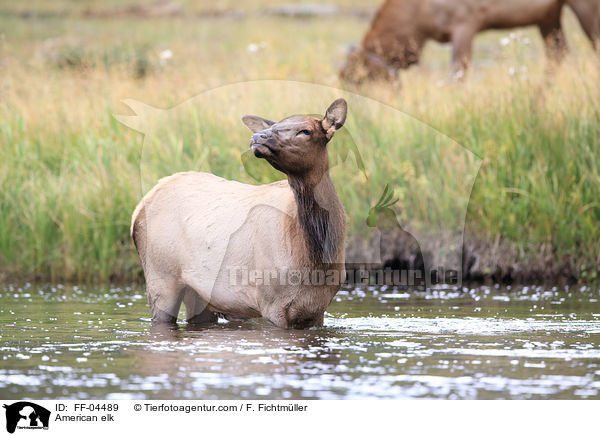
(263, 144)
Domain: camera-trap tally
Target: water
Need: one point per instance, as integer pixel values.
(483, 343)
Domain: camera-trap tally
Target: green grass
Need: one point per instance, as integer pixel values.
(70, 173)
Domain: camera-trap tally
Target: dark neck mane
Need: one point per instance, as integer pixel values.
(321, 218)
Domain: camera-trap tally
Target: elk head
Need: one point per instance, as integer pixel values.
(296, 146)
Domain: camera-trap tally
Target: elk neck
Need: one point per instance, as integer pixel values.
(321, 216)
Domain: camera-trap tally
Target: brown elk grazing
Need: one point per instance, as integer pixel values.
(401, 28)
(193, 246)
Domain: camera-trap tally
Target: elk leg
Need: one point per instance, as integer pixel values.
(164, 299)
(554, 38)
(462, 47)
(195, 308)
(588, 14)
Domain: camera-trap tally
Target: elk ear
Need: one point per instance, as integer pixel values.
(256, 124)
(335, 117)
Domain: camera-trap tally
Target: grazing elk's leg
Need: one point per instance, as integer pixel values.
(195, 308)
(164, 299)
(554, 38)
(588, 14)
(462, 47)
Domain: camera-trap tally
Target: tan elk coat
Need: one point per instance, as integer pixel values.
(198, 235)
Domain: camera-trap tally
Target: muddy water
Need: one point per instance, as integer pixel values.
(483, 343)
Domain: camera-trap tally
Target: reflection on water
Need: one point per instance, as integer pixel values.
(69, 342)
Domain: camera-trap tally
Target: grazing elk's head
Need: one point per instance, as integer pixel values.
(363, 65)
(381, 61)
(296, 145)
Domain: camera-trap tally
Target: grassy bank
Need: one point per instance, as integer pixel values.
(70, 173)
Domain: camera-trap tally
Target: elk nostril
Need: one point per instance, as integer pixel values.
(259, 136)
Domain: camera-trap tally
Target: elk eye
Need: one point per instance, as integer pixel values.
(304, 132)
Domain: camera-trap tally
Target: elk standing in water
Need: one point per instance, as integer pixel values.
(401, 28)
(185, 234)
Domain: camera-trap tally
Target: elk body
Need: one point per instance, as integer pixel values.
(401, 28)
(198, 234)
